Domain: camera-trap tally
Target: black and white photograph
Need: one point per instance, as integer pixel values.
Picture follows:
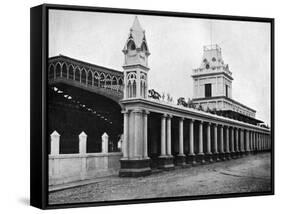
(143, 107)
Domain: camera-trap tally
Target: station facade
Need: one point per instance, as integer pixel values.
(90, 103)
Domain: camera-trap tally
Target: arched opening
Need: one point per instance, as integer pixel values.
(77, 74)
(58, 70)
(143, 46)
(90, 78)
(51, 72)
(96, 79)
(134, 89)
(108, 82)
(70, 72)
(102, 80)
(129, 94)
(114, 83)
(131, 45)
(64, 70)
(83, 76)
(120, 84)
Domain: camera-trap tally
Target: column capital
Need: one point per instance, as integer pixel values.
(125, 111)
(164, 115)
(169, 116)
(192, 120)
(182, 118)
(146, 112)
(137, 110)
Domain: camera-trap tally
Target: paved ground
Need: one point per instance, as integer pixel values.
(248, 174)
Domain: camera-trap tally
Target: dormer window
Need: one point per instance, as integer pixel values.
(205, 60)
(214, 59)
(207, 66)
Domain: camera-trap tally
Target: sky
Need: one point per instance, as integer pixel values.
(176, 47)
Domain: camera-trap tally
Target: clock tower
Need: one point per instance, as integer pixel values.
(136, 63)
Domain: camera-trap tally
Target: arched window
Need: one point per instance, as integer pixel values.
(90, 78)
(114, 83)
(143, 46)
(131, 86)
(83, 76)
(108, 81)
(102, 80)
(51, 72)
(70, 72)
(77, 74)
(96, 79)
(64, 70)
(58, 70)
(131, 45)
(134, 91)
(120, 84)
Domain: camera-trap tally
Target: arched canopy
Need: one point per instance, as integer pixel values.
(77, 74)
(83, 76)
(64, 70)
(90, 77)
(58, 70)
(70, 72)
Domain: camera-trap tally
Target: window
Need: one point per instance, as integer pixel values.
(208, 90)
(226, 90)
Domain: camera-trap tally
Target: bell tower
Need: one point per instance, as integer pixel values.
(136, 63)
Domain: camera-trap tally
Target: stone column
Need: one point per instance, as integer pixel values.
(221, 144)
(55, 143)
(191, 155)
(169, 153)
(82, 143)
(181, 136)
(242, 140)
(163, 135)
(145, 135)
(216, 142)
(180, 159)
(137, 133)
(201, 138)
(201, 152)
(227, 143)
(209, 153)
(232, 141)
(237, 141)
(104, 144)
(125, 134)
(166, 160)
(247, 141)
(83, 151)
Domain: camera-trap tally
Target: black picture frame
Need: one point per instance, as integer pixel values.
(39, 113)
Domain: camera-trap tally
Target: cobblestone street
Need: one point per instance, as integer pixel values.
(248, 174)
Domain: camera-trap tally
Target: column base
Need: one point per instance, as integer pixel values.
(191, 160)
(209, 157)
(227, 156)
(134, 168)
(222, 156)
(201, 158)
(233, 155)
(180, 160)
(216, 157)
(166, 162)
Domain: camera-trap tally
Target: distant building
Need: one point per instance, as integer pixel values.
(212, 83)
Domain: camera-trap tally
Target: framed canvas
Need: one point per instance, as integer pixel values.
(134, 106)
